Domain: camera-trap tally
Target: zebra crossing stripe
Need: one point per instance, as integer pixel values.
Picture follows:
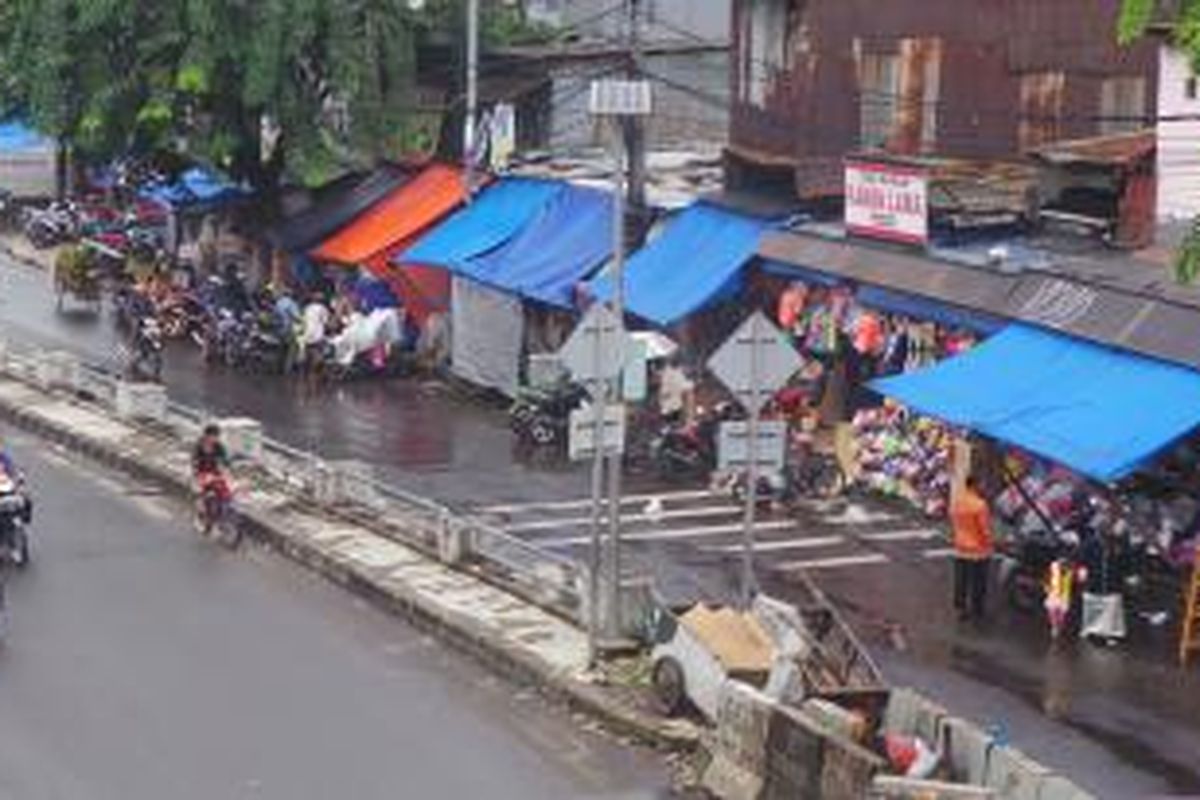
(577, 522)
(784, 544)
(912, 534)
(629, 499)
(833, 562)
(940, 552)
(672, 534)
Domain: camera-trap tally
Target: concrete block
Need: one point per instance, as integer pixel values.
(965, 750)
(848, 769)
(452, 540)
(147, 401)
(1056, 787)
(911, 713)
(1014, 775)
(325, 483)
(795, 756)
(358, 484)
(243, 437)
(738, 747)
(56, 370)
(832, 717)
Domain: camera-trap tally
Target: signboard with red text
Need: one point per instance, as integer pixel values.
(887, 201)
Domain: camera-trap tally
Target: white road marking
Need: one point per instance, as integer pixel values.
(857, 515)
(902, 536)
(577, 522)
(834, 562)
(783, 544)
(631, 499)
(671, 534)
(940, 552)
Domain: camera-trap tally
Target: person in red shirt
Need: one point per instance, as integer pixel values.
(970, 519)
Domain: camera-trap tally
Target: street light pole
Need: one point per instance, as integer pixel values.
(614, 457)
(469, 132)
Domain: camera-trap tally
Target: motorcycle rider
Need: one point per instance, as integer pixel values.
(210, 461)
(6, 461)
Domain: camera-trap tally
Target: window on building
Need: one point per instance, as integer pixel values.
(1040, 117)
(765, 48)
(1189, 88)
(879, 89)
(1122, 105)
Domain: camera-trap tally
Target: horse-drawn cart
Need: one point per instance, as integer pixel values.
(76, 275)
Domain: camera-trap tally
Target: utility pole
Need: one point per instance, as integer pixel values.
(469, 132)
(634, 133)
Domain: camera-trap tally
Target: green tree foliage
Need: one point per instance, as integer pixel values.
(255, 86)
(1182, 15)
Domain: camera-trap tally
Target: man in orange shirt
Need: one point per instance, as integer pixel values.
(971, 521)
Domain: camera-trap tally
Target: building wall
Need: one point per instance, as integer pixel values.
(969, 78)
(1178, 140)
(681, 118)
(664, 19)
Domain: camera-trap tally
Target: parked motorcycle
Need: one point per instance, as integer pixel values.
(688, 449)
(146, 351)
(540, 417)
(52, 225)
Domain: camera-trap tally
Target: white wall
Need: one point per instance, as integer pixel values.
(664, 19)
(1178, 142)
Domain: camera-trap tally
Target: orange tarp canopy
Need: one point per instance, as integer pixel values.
(399, 217)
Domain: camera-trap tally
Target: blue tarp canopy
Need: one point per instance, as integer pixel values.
(494, 217)
(697, 260)
(568, 240)
(195, 187)
(18, 137)
(1099, 411)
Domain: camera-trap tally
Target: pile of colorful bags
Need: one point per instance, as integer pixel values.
(904, 455)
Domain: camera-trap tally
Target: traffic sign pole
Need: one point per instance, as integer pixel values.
(748, 581)
(754, 363)
(598, 402)
(614, 458)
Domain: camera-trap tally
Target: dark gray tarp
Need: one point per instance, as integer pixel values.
(335, 207)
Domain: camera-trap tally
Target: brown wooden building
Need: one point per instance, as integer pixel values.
(985, 80)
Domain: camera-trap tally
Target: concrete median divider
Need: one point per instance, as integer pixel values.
(141, 401)
(738, 744)
(966, 750)
(1014, 775)
(764, 750)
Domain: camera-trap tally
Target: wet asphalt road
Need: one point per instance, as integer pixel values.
(145, 663)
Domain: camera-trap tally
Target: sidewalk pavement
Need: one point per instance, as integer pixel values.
(518, 639)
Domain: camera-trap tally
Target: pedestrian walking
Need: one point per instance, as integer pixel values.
(970, 519)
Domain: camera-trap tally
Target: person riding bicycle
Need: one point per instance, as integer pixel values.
(210, 461)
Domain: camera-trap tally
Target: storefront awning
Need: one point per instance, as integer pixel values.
(697, 260)
(569, 238)
(196, 187)
(405, 212)
(495, 216)
(336, 206)
(1096, 410)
